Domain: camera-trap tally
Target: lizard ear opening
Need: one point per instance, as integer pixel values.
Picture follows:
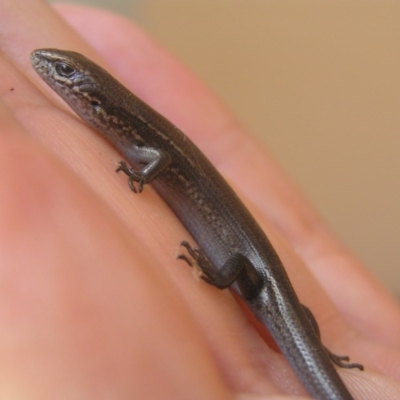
(96, 106)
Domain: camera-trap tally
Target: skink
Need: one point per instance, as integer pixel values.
(233, 250)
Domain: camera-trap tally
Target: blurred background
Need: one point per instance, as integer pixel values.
(319, 83)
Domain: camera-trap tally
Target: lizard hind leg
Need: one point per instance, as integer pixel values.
(237, 268)
(340, 361)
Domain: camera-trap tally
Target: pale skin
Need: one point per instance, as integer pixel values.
(93, 302)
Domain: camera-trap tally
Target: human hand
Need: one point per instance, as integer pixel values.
(94, 303)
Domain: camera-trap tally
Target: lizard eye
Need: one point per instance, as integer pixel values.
(64, 69)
